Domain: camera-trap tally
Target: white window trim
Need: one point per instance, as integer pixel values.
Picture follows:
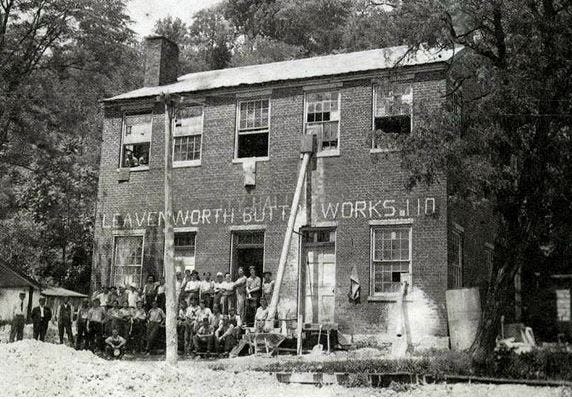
(386, 296)
(375, 85)
(323, 89)
(187, 229)
(247, 99)
(193, 162)
(122, 143)
(128, 233)
(459, 231)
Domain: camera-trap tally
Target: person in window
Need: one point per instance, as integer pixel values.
(64, 317)
(204, 337)
(207, 290)
(138, 321)
(227, 289)
(41, 315)
(156, 318)
(130, 160)
(240, 292)
(143, 160)
(115, 345)
(267, 287)
(149, 292)
(253, 292)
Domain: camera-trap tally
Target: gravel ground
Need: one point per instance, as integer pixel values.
(32, 368)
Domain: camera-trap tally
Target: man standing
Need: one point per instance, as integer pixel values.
(253, 290)
(81, 325)
(96, 317)
(18, 319)
(240, 290)
(41, 315)
(132, 296)
(156, 317)
(65, 321)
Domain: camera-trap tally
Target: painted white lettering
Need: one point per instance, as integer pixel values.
(373, 208)
(216, 214)
(259, 215)
(350, 207)
(387, 205)
(103, 225)
(127, 221)
(360, 208)
(247, 214)
(330, 212)
(182, 217)
(140, 221)
(150, 219)
(195, 216)
(271, 211)
(284, 207)
(115, 220)
(206, 216)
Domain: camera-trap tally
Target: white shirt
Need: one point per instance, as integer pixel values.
(261, 313)
(19, 308)
(42, 311)
(103, 298)
(132, 298)
(161, 289)
(193, 285)
(207, 286)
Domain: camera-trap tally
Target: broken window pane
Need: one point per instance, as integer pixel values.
(253, 145)
(322, 118)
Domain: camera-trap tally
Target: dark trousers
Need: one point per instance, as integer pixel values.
(161, 301)
(208, 298)
(40, 329)
(137, 336)
(95, 336)
(65, 326)
(202, 342)
(153, 329)
(82, 335)
(225, 344)
(17, 328)
(110, 352)
(252, 305)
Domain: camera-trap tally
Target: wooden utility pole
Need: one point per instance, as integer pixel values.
(169, 251)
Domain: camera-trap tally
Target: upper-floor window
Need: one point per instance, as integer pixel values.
(392, 112)
(187, 135)
(253, 127)
(455, 274)
(323, 119)
(136, 140)
(391, 258)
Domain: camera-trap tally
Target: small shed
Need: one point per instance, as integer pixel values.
(12, 282)
(55, 297)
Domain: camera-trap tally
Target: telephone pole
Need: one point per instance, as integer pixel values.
(169, 251)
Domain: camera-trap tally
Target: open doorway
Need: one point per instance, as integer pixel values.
(247, 250)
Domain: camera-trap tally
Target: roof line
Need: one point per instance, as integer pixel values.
(20, 274)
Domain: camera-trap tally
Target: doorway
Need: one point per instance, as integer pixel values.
(247, 250)
(319, 275)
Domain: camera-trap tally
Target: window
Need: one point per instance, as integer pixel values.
(253, 127)
(185, 250)
(393, 108)
(323, 119)
(128, 260)
(187, 135)
(391, 256)
(455, 275)
(136, 140)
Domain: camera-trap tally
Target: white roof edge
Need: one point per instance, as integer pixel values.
(305, 68)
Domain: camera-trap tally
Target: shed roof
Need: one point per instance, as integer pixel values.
(329, 65)
(10, 277)
(58, 291)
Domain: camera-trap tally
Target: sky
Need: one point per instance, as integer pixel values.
(144, 13)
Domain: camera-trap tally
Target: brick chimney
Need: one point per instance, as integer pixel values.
(161, 61)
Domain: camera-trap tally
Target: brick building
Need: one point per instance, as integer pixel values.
(236, 159)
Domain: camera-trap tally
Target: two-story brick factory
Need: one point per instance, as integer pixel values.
(236, 161)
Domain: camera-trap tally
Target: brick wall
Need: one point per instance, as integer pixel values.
(355, 180)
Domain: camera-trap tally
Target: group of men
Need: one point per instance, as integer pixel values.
(212, 314)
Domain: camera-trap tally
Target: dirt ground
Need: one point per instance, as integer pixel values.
(32, 368)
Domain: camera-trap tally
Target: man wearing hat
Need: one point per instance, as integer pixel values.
(41, 315)
(64, 316)
(18, 319)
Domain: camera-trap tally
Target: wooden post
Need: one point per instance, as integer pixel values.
(169, 250)
(288, 237)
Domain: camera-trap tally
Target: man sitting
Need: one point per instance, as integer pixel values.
(260, 322)
(190, 324)
(225, 336)
(115, 345)
(204, 336)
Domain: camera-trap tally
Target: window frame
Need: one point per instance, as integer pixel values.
(193, 162)
(375, 88)
(320, 152)
(127, 114)
(237, 133)
(458, 281)
(192, 231)
(122, 234)
(374, 295)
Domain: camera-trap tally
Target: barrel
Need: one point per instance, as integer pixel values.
(464, 315)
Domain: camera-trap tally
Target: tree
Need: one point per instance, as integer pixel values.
(505, 139)
(260, 50)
